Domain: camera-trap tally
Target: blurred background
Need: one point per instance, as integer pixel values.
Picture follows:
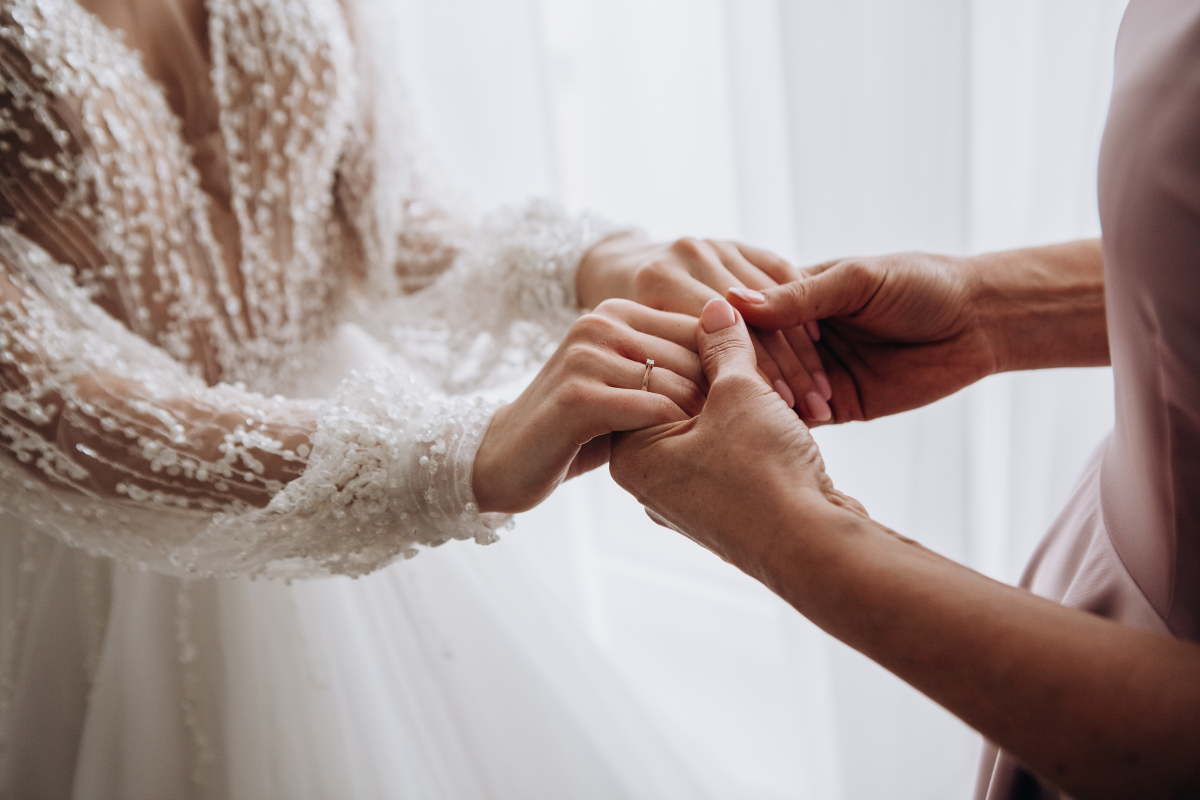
(817, 129)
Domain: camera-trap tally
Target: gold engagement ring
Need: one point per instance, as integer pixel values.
(646, 374)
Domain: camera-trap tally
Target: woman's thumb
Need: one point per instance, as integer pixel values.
(724, 342)
(796, 302)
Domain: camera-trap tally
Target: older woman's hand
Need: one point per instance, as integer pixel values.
(899, 331)
(682, 276)
(1096, 708)
(717, 477)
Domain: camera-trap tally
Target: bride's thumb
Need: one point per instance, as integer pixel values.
(724, 342)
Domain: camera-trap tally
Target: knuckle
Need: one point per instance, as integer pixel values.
(688, 247)
(592, 327)
(652, 278)
(795, 292)
(584, 358)
(574, 394)
(615, 308)
(856, 270)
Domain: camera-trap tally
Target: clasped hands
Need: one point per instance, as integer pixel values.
(645, 299)
(882, 346)
(896, 332)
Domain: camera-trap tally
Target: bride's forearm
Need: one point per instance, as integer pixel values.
(1044, 306)
(1097, 708)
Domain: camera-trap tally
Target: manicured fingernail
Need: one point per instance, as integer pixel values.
(785, 393)
(814, 330)
(817, 407)
(717, 315)
(822, 382)
(749, 295)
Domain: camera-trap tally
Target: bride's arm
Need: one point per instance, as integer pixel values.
(110, 445)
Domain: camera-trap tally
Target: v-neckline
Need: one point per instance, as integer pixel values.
(188, 91)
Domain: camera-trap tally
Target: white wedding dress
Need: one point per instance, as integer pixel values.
(242, 339)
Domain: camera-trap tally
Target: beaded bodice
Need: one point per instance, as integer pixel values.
(171, 278)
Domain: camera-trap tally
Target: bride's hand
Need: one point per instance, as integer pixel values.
(560, 426)
(682, 276)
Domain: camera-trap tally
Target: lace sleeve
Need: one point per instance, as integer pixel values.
(503, 304)
(474, 302)
(112, 446)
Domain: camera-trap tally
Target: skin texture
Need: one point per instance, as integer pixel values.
(683, 275)
(560, 426)
(1097, 708)
(900, 331)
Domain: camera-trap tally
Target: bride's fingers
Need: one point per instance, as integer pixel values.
(677, 290)
(633, 409)
(769, 371)
(627, 375)
(707, 266)
(802, 344)
(775, 267)
(662, 318)
(795, 375)
(803, 354)
(636, 333)
(684, 393)
(742, 268)
(667, 355)
(669, 325)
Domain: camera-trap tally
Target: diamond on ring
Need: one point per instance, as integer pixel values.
(646, 374)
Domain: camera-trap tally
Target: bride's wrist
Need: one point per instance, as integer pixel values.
(489, 495)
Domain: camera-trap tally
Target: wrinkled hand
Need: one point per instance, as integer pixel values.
(717, 477)
(895, 332)
(559, 427)
(682, 276)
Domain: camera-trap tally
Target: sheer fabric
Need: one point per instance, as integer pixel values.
(238, 329)
(130, 291)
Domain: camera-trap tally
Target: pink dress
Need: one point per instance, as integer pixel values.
(1127, 546)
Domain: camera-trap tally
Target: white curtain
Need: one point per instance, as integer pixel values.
(818, 129)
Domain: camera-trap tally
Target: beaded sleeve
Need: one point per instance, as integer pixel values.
(148, 357)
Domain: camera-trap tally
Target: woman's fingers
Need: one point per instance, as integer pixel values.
(668, 325)
(681, 391)
(810, 401)
(746, 271)
(776, 268)
(607, 351)
(792, 350)
(801, 344)
(666, 355)
(695, 272)
(770, 372)
(683, 281)
(626, 407)
(631, 409)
